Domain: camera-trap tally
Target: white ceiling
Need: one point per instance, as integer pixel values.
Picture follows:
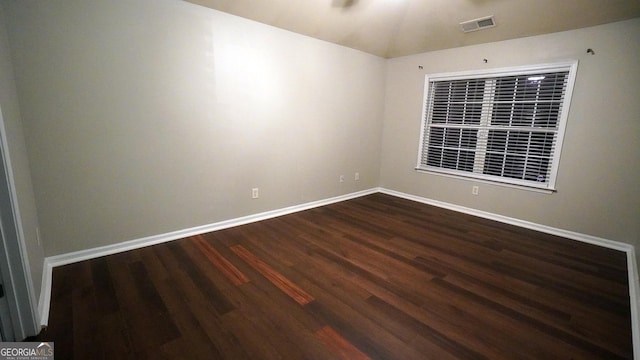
(393, 28)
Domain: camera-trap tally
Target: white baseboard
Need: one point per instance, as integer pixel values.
(63, 259)
(58, 260)
(616, 245)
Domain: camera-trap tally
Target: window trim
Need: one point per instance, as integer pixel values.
(550, 186)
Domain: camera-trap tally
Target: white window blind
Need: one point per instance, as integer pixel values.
(502, 125)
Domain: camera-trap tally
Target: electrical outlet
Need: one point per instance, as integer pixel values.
(474, 190)
(255, 193)
(357, 176)
(341, 178)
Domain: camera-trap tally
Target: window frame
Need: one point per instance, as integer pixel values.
(550, 185)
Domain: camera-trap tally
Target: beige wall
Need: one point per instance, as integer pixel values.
(598, 192)
(150, 116)
(19, 162)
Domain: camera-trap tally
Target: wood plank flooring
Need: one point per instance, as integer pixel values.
(376, 277)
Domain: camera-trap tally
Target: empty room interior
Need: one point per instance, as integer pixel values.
(324, 179)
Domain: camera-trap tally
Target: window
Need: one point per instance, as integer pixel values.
(503, 125)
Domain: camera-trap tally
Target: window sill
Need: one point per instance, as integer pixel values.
(485, 181)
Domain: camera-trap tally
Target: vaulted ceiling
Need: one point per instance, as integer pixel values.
(393, 28)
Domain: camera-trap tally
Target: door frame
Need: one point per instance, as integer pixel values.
(14, 263)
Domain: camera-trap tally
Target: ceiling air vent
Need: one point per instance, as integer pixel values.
(478, 24)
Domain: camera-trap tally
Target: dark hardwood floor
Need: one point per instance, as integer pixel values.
(376, 277)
